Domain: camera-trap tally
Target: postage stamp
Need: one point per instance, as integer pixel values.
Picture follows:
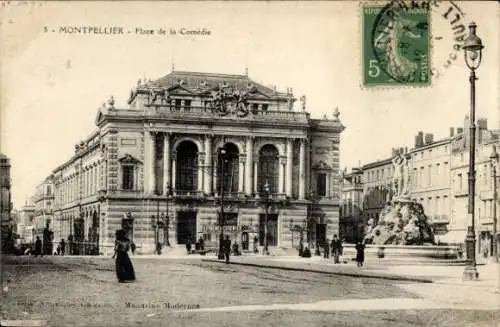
(396, 44)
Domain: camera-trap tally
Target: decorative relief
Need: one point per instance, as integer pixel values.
(230, 101)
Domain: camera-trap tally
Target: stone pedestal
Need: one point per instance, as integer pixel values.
(470, 271)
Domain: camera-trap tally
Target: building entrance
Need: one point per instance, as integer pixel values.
(321, 233)
(272, 229)
(186, 227)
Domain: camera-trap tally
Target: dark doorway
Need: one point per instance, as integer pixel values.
(79, 236)
(272, 229)
(244, 241)
(321, 233)
(186, 227)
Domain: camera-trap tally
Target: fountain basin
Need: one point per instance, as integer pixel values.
(442, 252)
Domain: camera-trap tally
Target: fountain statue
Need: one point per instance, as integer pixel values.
(402, 221)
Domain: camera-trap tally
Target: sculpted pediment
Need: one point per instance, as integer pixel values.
(129, 159)
(321, 165)
(255, 94)
(179, 90)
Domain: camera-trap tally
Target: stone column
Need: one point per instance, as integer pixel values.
(248, 167)
(174, 170)
(152, 159)
(215, 175)
(289, 166)
(208, 165)
(302, 169)
(201, 164)
(147, 165)
(281, 179)
(241, 174)
(166, 163)
(255, 176)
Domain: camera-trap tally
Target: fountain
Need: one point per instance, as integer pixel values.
(403, 229)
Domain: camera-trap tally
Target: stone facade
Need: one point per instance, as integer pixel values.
(160, 168)
(5, 201)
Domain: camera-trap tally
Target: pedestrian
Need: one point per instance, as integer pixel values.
(326, 252)
(360, 253)
(38, 247)
(336, 249)
(63, 246)
(227, 248)
(124, 269)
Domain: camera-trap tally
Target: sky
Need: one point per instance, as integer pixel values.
(52, 83)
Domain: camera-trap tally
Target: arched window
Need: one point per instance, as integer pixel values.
(268, 168)
(231, 168)
(187, 166)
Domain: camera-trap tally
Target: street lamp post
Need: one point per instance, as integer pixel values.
(494, 164)
(266, 204)
(222, 152)
(473, 55)
(169, 194)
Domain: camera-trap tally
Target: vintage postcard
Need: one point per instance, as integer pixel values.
(257, 163)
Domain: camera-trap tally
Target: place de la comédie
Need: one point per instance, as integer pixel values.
(195, 154)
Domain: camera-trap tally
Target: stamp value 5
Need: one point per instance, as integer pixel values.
(396, 45)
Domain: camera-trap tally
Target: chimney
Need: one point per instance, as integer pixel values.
(420, 138)
(460, 130)
(482, 123)
(452, 132)
(429, 138)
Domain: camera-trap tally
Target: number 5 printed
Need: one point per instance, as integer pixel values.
(373, 69)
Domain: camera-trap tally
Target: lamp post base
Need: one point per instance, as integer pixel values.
(470, 273)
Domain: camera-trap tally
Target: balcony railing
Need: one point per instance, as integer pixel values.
(171, 111)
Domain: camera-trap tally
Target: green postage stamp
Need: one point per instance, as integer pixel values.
(396, 45)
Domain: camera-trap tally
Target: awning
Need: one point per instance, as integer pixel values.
(452, 237)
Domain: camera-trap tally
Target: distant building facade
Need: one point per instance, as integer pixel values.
(6, 224)
(431, 186)
(439, 181)
(26, 225)
(351, 210)
(157, 170)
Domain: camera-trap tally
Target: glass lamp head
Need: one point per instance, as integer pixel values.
(473, 47)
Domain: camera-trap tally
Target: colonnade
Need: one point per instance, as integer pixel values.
(206, 177)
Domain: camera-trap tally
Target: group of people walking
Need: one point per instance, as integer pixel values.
(337, 249)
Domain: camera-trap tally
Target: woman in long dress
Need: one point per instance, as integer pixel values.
(124, 269)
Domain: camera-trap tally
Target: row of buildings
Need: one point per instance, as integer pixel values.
(190, 149)
(439, 181)
(6, 221)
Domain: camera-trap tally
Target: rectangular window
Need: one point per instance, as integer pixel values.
(485, 176)
(178, 105)
(321, 186)
(429, 176)
(187, 105)
(128, 177)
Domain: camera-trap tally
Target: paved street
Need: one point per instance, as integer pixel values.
(83, 291)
